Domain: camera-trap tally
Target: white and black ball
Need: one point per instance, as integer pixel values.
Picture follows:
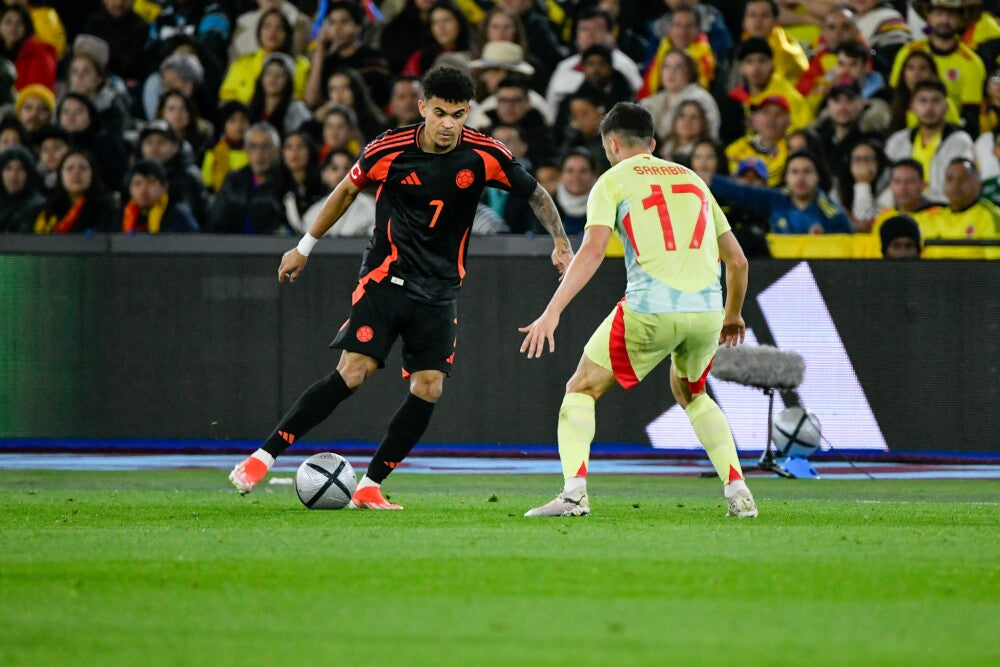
(325, 482)
(796, 432)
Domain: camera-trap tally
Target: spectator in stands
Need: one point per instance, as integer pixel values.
(299, 182)
(807, 139)
(630, 33)
(689, 125)
(21, 191)
(33, 107)
(78, 116)
(181, 71)
(863, 177)
(159, 142)
(760, 19)
(760, 80)
(339, 46)
(514, 108)
(346, 88)
(989, 112)
(53, 144)
(583, 131)
(593, 26)
(359, 219)
(47, 24)
(769, 121)
(12, 133)
(800, 208)
(839, 26)
(840, 125)
(273, 98)
(202, 21)
(340, 130)
(905, 194)
(181, 114)
(900, 237)
(708, 157)
(403, 109)
(125, 33)
(501, 25)
(710, 22)
(498, 61)
(244, 41)
(274, 33)
(150, 208)
(987, 148)
(543, 45)
(401, 36)
(882, 27)
(228, 154)
(980, 29)
(961, 70)
(683, 34)
(678, 83)
(79, 201)
(967, 215)
(88, 76)
(448, 32)
(34, 60)
(514, 209)
(935, 142)
(579, 173)
(854, 62)
(917, 66)
(600, 78)
(250, 201)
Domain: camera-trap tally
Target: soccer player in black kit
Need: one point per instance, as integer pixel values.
(429, 179)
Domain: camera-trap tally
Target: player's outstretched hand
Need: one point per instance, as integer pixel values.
(539, 331)
(562, 255)
(292, 263)
(733, 331)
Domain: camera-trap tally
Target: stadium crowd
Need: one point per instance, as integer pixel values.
(860, 117)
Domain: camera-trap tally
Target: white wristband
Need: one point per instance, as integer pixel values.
(306, 245)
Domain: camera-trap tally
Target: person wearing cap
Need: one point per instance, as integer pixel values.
(126, 33)
(760, 80)
(900, 238)
(967, 215)
(273, 96)
(149, 209)
(683, 33)
(88, 75)
(275, 34)
(34, 60)
(34, 106)
(760, 19)
(960, 68)
(499, 60)
(881, 25)
(21, 191)
(228, 153)
(752, 171)
(934, 143)
(839, 125)
(801, 207)
(338, 45)
(159, 142)
(769, 122)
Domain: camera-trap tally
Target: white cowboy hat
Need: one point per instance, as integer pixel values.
(503, 55)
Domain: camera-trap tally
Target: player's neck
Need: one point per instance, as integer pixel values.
(428, 145)
(629, 153)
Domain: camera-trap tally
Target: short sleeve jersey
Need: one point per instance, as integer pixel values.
(425, 204)
(669, 224)
(962, 71)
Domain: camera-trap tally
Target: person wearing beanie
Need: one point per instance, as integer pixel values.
(88, 75)
(900, 237)
(228, 154)
(149, 208)
(159, 142)
(34, 106)
(126, 33)
(21, 191)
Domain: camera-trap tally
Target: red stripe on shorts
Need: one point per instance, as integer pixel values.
(698, 385)
(621, 365)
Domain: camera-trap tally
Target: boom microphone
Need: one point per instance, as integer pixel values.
(761, 366)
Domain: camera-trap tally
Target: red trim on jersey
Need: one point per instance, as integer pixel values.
(698, 385)
(461, 255)
(621, 365)
(380, 169)
(494, 172)
(379, 273)
(479, 137)
(399, 143)
(379, 144)
(627, 224)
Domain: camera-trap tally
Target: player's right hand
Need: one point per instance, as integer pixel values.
(538, 332)
(734, 330)
(292, 263)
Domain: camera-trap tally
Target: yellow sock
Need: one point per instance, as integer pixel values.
(576, 432)
(712, 428)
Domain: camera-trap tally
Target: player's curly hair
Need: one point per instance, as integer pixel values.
(449, 84)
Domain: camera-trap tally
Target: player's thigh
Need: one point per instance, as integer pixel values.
(430, 335)
(373, 325)
(629, 344)
(697, 342)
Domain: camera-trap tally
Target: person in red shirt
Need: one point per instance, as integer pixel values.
(34, 61)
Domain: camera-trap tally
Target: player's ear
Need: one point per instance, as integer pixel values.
(422, 108)
(652, 145)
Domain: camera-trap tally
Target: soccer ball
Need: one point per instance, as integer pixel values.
(325, 482)
(796, 432)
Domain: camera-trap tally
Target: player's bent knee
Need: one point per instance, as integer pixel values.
(428, 387)
(355, 370)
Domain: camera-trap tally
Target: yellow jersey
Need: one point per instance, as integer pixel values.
(775, 158)
(979, 221)
(961, 71)
(244, 71)
(669, 224)
(779, 86)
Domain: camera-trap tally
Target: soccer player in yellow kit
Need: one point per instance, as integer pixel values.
(674, 234)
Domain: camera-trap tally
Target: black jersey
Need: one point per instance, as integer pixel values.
(425, 205)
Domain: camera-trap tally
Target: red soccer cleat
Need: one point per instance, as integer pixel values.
(371, 498)
(247, 473)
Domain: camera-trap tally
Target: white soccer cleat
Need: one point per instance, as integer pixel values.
(247, 473)
(741, 504)
(565, 504)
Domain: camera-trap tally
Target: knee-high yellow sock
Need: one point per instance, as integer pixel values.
(576, 432)
(712, 428)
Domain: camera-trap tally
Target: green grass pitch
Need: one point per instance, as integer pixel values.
(175, 568)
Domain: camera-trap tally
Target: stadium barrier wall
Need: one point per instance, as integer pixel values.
(193, 338)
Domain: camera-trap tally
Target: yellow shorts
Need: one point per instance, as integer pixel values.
(631, 344)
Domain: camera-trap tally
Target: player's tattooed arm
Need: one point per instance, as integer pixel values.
(546, 212)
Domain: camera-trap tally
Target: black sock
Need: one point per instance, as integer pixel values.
(405, 429)
(313, 406)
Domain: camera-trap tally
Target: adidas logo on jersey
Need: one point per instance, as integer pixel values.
(412, 179)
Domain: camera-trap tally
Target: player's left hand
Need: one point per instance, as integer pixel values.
(562, 256)
(733, 331)
(541, 330)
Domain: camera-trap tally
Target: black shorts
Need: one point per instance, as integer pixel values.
(384, 312)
